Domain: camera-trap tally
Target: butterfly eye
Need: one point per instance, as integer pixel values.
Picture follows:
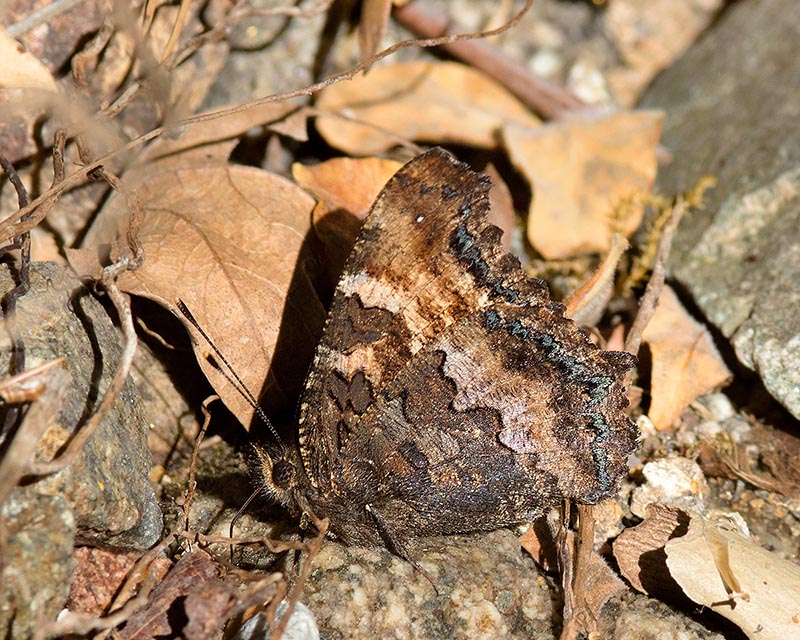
(282, 474)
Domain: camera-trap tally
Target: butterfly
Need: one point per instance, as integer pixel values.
(448, 394)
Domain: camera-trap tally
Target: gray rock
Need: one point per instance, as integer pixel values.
(37, 561)
(107, 489)
(732, 112)
(488, 588)
(642, 618)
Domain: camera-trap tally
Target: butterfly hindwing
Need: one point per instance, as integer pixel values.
(502, 415)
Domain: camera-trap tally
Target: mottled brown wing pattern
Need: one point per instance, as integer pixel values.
(425, 258)
(501, 416)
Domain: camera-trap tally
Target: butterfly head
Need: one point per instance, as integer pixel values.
(276, 473)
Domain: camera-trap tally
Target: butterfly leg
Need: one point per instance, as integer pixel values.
(395, 544)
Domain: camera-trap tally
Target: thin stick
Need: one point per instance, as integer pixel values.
(542, 96)
(649, 301)
(45, 14)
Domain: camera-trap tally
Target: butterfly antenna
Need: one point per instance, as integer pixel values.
(230, 374)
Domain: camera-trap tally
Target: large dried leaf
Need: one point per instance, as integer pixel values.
(176, 605)
(442, 102)
(231, 243)
(719, 568)
(686, 364)
(345, 189)
(581, 172)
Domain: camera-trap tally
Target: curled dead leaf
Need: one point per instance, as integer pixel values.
(719, 567)
(442, 102)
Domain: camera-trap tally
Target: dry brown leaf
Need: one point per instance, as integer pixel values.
(580, 170)
(420, 100)
(588, 302)
(719, 568)
(351, 184)
(345, 189)
(639, 551)
(194, 575)
(686, 364)
(226, 240)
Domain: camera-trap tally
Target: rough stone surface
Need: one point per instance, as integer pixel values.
(37, 561)
(488, 588)
(107, 488)
(643, 618)
(732, 106)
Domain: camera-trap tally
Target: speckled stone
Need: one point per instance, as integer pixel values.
(107, 488)
(642, 618)
(488, 588)
(37, 561)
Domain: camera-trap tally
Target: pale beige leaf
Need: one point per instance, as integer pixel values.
(226, 240)
(21, 70)
(639, 550)
(686, 363)
(420, 100)
(580, 170)
(720, 568)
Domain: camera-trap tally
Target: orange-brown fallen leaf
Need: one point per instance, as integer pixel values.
(421, 100)
(686, 364)
(226, 240)
(581, 171)
(345, 189)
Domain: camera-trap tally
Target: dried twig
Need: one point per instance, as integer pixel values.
(40, 416)
(8, 305)
(191, 483)
(542, 96)
(47, 13)
(313, 548)
(290, 11)
(649, 301)
(579, 619)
